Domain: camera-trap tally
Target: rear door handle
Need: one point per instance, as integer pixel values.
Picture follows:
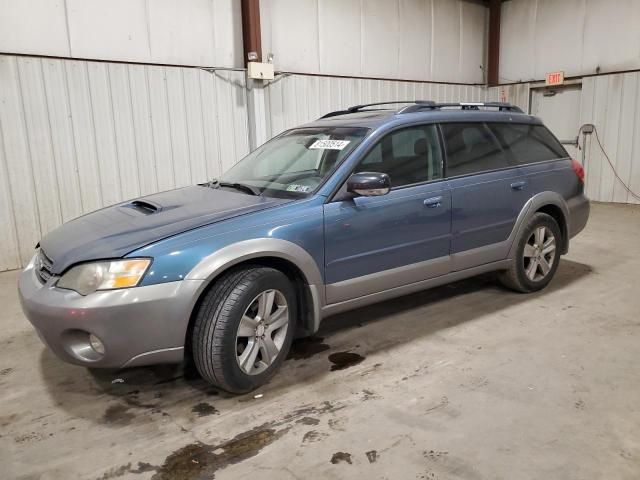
(433, 202)
(518, 185)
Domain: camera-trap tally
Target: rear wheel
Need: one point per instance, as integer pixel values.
(537, 255)
(244, 327)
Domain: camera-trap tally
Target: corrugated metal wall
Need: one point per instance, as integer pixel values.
(193, 32)
(517, 94)
(580, 37)
(295, 99)
(76, 136)
(612, 104)
(426, 40)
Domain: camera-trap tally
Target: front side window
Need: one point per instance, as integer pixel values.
(472, 148)
(408, 156)
(295, 163)
(528, 143)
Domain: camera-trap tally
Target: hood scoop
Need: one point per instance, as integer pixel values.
(143, 206)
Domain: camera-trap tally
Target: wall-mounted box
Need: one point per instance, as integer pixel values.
(260, 71)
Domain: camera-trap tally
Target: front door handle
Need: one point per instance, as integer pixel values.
(518, 185)
(433, 202)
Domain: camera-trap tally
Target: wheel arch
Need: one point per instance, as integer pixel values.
(547, 202)
(558, 215)
(289, 258)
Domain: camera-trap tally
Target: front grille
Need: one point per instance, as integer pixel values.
(43, 266)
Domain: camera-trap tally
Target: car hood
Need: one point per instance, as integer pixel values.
(117, 230)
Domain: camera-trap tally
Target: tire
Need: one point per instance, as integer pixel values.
(239, 298)
(522, 275)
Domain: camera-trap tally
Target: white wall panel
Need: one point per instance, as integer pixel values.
(339, 37)
(117, 29)
(611, 35)
(414, 54)
(381, 38)
(296, 99)
(182, 33)
(34, 26)
(612, 104)
(518, 40)
(438, 40)
(578, 37)
(77, 135)
(190, 32)
(516, 94)
(299, 38)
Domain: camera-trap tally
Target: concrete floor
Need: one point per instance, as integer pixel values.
(465, 381)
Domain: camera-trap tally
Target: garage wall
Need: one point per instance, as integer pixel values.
(516, 94)
(295, 99)
(436, 40)
(188, 32)
(76, 136)
(612, 104)
(579, 37)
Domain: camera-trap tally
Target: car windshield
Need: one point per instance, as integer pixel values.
(295, 163)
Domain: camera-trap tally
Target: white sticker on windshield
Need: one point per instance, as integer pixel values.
(298, 188)
(330, 144)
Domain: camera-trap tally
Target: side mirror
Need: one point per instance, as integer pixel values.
(369, 184)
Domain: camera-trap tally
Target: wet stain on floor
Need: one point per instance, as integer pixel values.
(342, 360)
(204, 409)
(324, 407)
(199, 460)
(340, 457)
(118, 415)
(308, 421)
(307, 348)
(116, 472)
(313, 436)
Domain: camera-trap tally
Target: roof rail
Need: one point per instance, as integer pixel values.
(420, 105)
(357, 108)
(501, 106)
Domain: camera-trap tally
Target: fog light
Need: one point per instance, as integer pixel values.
(96, 344)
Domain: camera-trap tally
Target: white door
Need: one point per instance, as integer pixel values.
(559, 109)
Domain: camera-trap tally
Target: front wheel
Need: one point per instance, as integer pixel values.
(244, 328)
(537, 255)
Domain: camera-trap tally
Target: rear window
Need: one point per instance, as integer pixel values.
(472, 148)
(528, 143)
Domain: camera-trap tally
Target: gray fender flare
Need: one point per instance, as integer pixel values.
(213, 265)
(531, 207)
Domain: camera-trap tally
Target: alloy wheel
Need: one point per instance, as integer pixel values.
(262, 332)
(539, 253)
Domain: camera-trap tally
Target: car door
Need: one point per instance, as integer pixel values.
(377, 243)
(487, 193)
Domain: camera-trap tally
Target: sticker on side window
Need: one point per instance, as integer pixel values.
(330, 144)
(298, 188)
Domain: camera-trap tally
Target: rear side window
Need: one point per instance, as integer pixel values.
(472, 148)
(528, 143)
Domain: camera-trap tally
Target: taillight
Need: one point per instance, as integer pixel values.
(578, 169)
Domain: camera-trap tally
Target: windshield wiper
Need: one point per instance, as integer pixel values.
(238, 186)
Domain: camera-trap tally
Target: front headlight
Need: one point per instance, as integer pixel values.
(89, 277)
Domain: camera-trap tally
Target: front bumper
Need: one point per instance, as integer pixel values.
(137, 326)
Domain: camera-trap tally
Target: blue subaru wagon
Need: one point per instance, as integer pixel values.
(360, 206)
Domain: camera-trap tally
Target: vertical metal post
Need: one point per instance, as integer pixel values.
(251, 36)
(494, 43)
